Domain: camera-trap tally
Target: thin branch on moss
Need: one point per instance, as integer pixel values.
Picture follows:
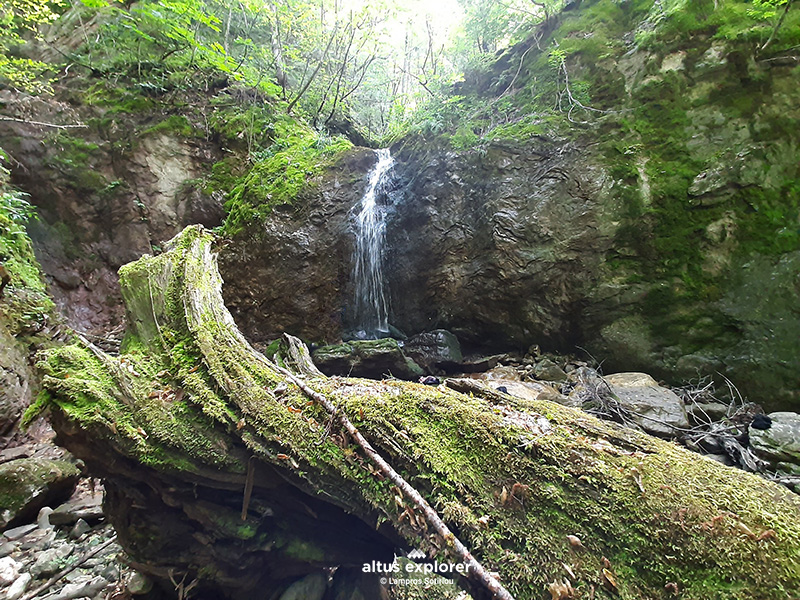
(41, 124)
(475, 569)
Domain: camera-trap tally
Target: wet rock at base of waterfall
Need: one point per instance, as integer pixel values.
(548, 370)
(28, 484)
(434, 350)
(781, 442)
(655, 409)
(528, 390)
(310, 587)
(373, 359)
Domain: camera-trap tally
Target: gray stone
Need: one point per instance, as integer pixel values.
(655, 409)
(16, 533)
(310, 587)
(139, 584)
(9, 570)
(529, 390)
(50, 561)
(79, 589)
(547, 370)
(43, 520)
(79, 529)
(781, 442)
(7, 548)
(108, 572)
(707, 412)
(18, 588)
(366, 358)
(89, 509)
(432, 350)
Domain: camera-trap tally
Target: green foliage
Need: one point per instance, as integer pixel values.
(279, 173)
(19, 18)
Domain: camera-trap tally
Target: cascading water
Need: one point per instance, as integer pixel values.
(371, 310)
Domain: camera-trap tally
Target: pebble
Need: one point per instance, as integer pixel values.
(7, 548)
(79, 529)
(9, 570)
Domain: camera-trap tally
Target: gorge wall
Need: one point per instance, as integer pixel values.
(659, 233)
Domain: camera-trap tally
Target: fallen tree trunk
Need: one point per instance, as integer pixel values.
(193, 429)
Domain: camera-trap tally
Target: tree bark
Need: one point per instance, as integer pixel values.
(193, 429)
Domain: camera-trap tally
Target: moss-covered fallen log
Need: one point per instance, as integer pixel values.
(189, 417)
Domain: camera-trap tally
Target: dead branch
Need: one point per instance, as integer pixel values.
(66, 570)
(475, 568)
(41, 124)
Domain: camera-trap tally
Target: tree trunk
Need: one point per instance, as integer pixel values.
(191, 427)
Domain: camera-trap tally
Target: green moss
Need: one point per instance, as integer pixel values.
(473, 459)
(174, 124)
(279, 174)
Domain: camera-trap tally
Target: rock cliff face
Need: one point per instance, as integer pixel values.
(662, 234)
(501, 246)
(105, 195)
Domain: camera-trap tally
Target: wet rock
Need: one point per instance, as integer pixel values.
(366, 358)
(310, 587)
(27, 484)
(655, 409)
(779, 443)
(9, 570)
(433, 350)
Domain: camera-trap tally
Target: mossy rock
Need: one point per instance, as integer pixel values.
(374, 359)
(28, 484)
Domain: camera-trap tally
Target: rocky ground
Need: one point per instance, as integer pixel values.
(712, 419)
(68, 552)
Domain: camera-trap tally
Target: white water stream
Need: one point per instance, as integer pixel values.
(371, 310)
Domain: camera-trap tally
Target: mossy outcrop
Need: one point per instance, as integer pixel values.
(219, 467)
(28, 484)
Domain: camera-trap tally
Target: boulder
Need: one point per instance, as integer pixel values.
(433, 350)
(548, 370)
(374, 359)
(28, 484)
(529, 390)
(781, 442)
(655, 409)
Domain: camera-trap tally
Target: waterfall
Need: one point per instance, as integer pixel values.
(371, 310)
